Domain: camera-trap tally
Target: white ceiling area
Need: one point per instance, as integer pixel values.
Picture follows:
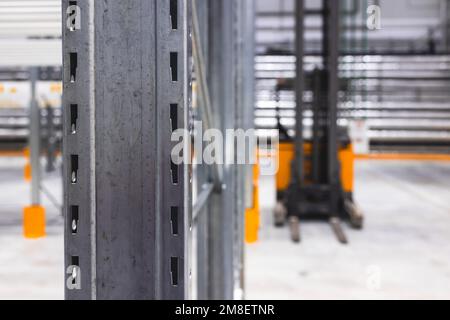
(30, 32)
(30, 18)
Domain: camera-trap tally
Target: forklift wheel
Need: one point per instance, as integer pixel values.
(355, 214)
(357, 224)
(280, 214)
(294, 226)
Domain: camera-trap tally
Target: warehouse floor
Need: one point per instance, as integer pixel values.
(404, 251)
(29, 269)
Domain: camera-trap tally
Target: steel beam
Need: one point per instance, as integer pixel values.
(203, 89)
(299, 89)
(245, 88)
(35, 140)
(222, 207)
(204, 175)
(127, 204)
(331, 42)
(220, 239)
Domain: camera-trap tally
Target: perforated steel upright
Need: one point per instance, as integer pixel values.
(127, 204)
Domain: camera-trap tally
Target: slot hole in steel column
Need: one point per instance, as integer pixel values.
(73, 118)
(174, 271)
(174, 66)
(74, 219)
(73, 169)
(174, 171)
(174, 116)
(174, 14)
(75, 263)
(174, 220)
(73, 63)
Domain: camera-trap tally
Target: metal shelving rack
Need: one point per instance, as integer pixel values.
(132, 229)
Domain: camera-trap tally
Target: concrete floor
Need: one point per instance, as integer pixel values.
(404, 251)
(29, 269)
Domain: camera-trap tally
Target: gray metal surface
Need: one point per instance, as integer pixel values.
(331, 58)
(134, 216)
(80, 246)
(225, 74)
(221, 57)
(299, 88)
(203, 90)
(132, 240)
(245, 120)
(204, 176)
(35, 141)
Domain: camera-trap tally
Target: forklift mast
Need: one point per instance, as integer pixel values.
(325, 85)
(315, 190)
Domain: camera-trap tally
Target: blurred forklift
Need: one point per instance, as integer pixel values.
(315, 180)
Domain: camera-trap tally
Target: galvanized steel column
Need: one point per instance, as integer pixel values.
(127, 204)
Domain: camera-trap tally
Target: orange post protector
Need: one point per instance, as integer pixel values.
(34, 222)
